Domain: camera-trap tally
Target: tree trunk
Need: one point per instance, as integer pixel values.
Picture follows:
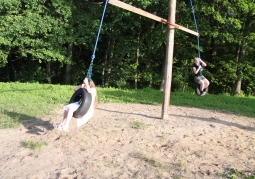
(213, 47)
(137, 59)
(238, 84)
(105, 64)
(14, 71)
(148, 66)
(49, 71)
(136, 71)
(109, 65)
(108, 61)
(103, 69)
(161, 88)
(68, 66)
(8, 75)
(241, 53)
(239, 68)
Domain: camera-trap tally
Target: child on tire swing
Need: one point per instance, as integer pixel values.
(199, 78)
(72, 107)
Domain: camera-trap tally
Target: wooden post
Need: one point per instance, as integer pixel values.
(169, 46)
(168, 60)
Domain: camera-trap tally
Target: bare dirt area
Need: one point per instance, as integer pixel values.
(125, 141)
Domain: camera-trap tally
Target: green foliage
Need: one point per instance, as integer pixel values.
(34, 29)
(32, 72)
(41, 31)
(122, 84)
(228, 28)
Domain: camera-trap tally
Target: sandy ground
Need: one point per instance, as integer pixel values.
(125, 141)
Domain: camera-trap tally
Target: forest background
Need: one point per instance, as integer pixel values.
(51, 41)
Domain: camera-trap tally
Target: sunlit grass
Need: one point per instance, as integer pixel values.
(33, 145)
(236, 174)
(137, 124)
(26, 101)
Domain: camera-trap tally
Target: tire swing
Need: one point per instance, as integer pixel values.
(84, 98)
(197, 89)
(81, 95)
(197, 86)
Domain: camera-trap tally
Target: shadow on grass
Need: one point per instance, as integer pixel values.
(33, 125)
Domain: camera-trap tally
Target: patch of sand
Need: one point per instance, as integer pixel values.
(125, 141)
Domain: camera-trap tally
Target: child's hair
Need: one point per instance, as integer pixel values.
(196, 58)
(92, 85)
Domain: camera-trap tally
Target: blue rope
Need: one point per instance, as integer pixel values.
(95, 47)
(198, 43)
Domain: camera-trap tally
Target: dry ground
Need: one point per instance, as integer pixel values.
(125, 141)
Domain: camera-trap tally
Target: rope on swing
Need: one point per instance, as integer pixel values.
(198, 43)
(95, 47)
(193, 12)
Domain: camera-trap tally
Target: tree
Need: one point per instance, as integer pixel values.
(34, 30)
(228, 25)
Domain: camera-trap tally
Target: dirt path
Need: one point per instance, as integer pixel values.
(125, 141)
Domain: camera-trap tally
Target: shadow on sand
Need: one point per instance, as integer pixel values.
(33, 125)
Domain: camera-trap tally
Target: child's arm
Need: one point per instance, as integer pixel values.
(86, 83)
(78, 87)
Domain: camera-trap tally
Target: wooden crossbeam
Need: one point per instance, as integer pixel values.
(149, 15)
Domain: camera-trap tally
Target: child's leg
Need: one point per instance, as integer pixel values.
(201, 82)
(68, 114)
(65, 116)
(206, 83)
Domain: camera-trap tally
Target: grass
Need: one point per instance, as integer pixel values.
(148, 160)
(33, 145)
(26, 101)
(238, 105)
(235, 174)
(152, 162)
(137, 124)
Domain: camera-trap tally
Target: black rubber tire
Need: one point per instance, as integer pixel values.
(81, 95)
(197, 89)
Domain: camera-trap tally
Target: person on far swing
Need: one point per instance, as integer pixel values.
(199, 78)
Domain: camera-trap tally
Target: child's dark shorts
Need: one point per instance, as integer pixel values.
(198, 78)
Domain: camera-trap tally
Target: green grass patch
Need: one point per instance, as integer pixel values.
(137, 124)
(141, 96)
(33, 145)
(238, 105)
(236, 174)
(27, 101)
(152, 162)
